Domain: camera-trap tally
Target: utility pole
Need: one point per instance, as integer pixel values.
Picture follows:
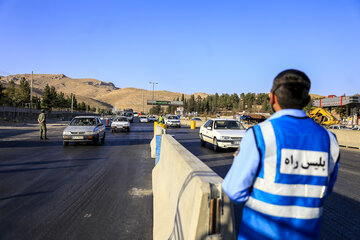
(153, 83)
(31, 91)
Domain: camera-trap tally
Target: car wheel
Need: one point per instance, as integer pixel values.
(128, 129)
(202, 142)
(215, 145)
(103, 139)
(65, 144)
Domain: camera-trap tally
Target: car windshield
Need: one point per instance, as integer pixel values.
(121, 119)
(83, 122)
(223, 124)
(128, 114)
(172, 117)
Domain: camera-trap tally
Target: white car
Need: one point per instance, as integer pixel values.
(152, 118)
(120, 123)
(356, 128)
(143, 119)
(136, 114)
(172, 121)
(222, 133)
(339, 127)
(84, 129)
(129, 115)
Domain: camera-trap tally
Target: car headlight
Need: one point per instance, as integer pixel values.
(66, 133)
(225, 138)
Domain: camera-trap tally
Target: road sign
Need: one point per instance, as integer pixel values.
(163, 102)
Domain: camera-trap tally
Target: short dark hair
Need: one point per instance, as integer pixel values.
(291, 87)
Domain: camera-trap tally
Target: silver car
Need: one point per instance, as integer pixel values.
(84, 129)
(120, 123)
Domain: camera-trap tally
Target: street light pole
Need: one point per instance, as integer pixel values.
(153, 83)
(31, 91)
(72, 103)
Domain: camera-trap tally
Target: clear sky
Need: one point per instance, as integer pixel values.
(186, 46)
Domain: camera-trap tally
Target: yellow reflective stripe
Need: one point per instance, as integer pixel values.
(284, 211)
(291, 190)
(270, 157)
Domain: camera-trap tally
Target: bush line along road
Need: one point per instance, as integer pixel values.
(104, 191)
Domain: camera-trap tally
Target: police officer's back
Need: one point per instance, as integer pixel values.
(286, 167)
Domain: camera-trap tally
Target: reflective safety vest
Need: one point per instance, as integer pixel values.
(298, 157)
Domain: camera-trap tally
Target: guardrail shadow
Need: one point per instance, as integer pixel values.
(50, 162)
(14, 132)
(24, 195)
(38, 169)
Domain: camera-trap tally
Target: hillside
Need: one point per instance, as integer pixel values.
(137, 98)
(97, 93)
(86, 90)
(101, 94)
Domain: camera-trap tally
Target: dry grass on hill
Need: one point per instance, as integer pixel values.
(137, 98)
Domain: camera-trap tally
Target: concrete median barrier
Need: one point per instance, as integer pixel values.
(187, 123)
(188, 201)
(347, 138)
(156, 141)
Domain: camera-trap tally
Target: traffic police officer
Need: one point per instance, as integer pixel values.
(286, 167)
(161, 119)
(42, 123)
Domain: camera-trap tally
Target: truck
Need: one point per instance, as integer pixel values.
(323, 117)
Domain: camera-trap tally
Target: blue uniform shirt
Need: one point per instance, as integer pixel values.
(242, 173)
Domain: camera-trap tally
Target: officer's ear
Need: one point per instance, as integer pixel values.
(272, 98)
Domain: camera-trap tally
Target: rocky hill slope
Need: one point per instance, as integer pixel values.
(97, 93)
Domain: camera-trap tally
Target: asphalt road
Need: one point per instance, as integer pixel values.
(48, 191)
(341, 217)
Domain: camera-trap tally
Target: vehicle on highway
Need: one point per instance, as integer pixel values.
(323, 117)
(356, 128)
(152, 118)
(222, 133)
(196, 119)
(338, 127)
(129, 116)
(120, 123)
(172, 121)
(84, 129)
(136, 114)
(143, 119)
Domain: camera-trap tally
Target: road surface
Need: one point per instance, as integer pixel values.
(48, 191)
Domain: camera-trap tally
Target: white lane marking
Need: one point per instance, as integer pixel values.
(88, 215)
(137, 192)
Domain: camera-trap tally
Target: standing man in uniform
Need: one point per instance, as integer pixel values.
(161, 119)
(286, 167)
(42, 123)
